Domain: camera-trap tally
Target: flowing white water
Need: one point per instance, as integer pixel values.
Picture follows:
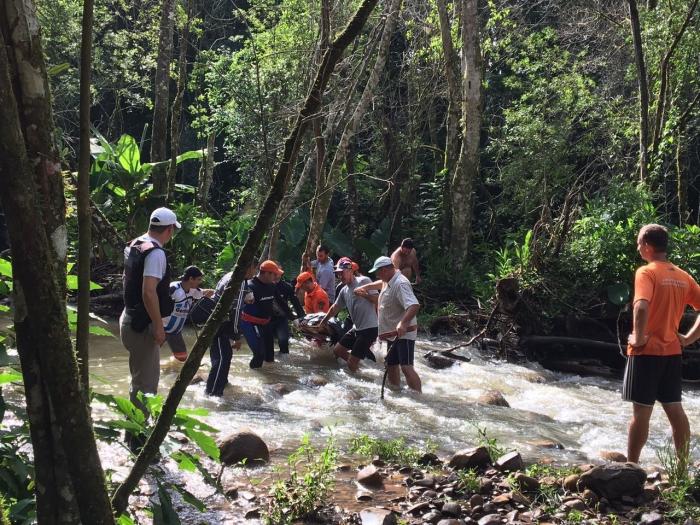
(584, 414)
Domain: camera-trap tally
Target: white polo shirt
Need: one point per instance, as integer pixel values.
(395, 298)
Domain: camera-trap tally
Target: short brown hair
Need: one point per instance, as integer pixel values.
(655, 236)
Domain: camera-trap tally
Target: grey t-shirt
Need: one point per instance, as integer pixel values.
(362, 311)
(395, 298)
(325, 276)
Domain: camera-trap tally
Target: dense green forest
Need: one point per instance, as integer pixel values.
(508, 138)
(557, 114)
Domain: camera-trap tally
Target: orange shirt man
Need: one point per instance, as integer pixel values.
(315, 298)
(653, 372)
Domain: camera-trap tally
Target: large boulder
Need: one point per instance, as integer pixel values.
(244, 446)
(470, 458)
(493, 398)
(613, 481)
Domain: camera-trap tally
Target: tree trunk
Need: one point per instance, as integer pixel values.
(642, 81)
(206, 174)
(665, 68)
(467, 169)
(251, 246)
(177, 103)
(35, 270)
(452, 133)
(353, 204)
(681, 183)
(84, 212)
(323, 197)
(161, 100)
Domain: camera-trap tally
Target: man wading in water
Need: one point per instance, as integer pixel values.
(398, 307)
(653, 372)
(146, 302)
(356, 344)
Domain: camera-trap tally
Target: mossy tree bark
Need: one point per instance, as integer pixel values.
(467, 169)
(250, 248)
(59, 417)
(161, 99)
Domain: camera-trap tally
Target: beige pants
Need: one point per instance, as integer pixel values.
(144, 359)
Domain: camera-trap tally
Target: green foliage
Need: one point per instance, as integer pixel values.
(310, 478)
(392, 450)
(683, 497)
(538, 470)
(468, 480)
(496, 450)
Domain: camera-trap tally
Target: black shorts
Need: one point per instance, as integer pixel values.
(360, 341)
(651, 378)
(401, 353)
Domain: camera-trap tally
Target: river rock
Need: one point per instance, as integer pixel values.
(428, 481)
(527, 483)
(243, 446)
(690, 521)
(476, 500)
(280, 389)
(432, 517)
(364, 495)
(510, 462)
(370, 476)
(252, 514)
(437, 361)
(493, 398)
(590, 497)
(491, 519)
(197, 379)
(614, 481)
(571, 482)
(470, 458)
(575, 504)
(377, 516)
(317, 380)
(452, 509)
(611, 455)
(450, 521)
(546, 443)
(429, 459)
(418, 507)
(651, 518)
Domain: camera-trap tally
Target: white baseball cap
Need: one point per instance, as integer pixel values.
(381, 262)
(164, 217)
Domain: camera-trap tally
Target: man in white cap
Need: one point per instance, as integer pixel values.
(398, 307)
(146, 302)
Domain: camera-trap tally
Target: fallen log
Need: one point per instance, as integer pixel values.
(548, 340)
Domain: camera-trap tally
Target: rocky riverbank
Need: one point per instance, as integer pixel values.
(471, 487)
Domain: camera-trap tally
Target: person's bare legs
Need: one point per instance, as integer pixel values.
(394, 375)
(412, 378)
(681, 428)
(353, 363)
(340, 351)
(638, 431)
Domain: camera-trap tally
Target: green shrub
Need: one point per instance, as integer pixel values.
(392, 450)
(310, 480)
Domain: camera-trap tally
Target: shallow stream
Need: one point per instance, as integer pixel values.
(583, 414)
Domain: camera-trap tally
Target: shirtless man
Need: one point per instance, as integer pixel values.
(405, 259)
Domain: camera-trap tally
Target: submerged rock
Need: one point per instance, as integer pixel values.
(470, 458)
(370, 476)
(493, 398)
(377, 516)
(610, 455)
(243, 446)
(614, 481)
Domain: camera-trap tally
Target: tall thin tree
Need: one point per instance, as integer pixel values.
(84, 211)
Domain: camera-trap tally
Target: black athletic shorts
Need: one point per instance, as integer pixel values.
(360, 341)
(651, 378)
(401, 352)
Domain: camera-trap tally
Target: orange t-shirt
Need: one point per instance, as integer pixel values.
(316, 300)
(668, 290)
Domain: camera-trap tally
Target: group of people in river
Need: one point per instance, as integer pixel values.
(157, 308)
